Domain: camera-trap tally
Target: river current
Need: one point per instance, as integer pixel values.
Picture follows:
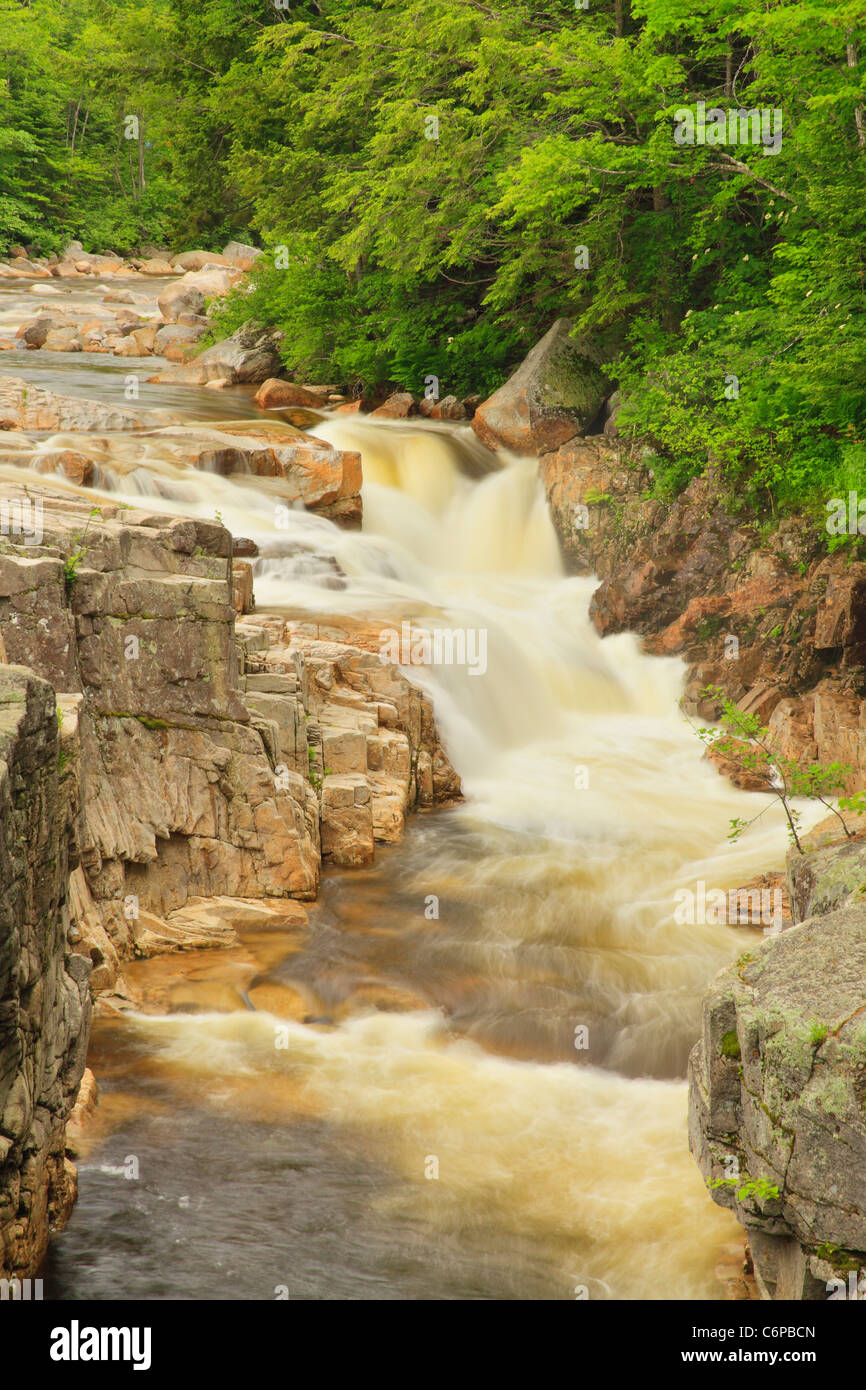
(521, 1132)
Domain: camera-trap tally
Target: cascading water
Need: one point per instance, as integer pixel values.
(472, 1147)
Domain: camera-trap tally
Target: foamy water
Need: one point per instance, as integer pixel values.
(588, 805)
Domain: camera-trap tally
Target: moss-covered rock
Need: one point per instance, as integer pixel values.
(778, 1094)
(556, 393)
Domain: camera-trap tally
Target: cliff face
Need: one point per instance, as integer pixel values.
(774, 621)
(777, 1088)
(177, 794)
(193, 768)
(44, 996)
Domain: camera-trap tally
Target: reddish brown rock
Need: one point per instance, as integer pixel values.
(556, 393)
(144, 339)
(274, 393)
(155, 266)
(197, 260)
(398, 406)
(775, 622)
(449, 408)
(77, 467)
(730, 766)
(242, 586)
(841, 617)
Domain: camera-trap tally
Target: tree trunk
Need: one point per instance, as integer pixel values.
(729, 69)
(75, 126)
(851, 59)
(140, 153)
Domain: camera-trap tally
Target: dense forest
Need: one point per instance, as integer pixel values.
(434, 183)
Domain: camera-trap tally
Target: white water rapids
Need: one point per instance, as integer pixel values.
(557, 896)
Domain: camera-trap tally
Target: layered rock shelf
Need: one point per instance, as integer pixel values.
(44, 995)
(165, 767)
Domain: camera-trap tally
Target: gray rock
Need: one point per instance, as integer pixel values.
(250, 355)
(241, 255)
(556, 393)
(826, 878)
(778, 1093)
(44, 995)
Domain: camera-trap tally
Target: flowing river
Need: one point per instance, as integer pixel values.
(471, 1147)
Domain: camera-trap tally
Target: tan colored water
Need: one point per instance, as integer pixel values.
(556, 1167)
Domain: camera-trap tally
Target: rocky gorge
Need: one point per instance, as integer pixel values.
(191, 768)
(183, 759)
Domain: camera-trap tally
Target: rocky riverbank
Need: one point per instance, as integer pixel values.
(167, 770)
(777, 1122)
(777, 1085)
(177, 764)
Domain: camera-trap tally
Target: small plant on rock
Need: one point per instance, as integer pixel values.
(746, 1187)
(72, 562)
(741, 739)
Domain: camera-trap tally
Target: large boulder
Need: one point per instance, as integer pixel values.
(249, 355)
(777, 1089)
(63, 340)
(399, 406)
(274, 394)
(22, 266)
(190, 293)
(74, 465)
(197, 260)
(449, 408)
(65, 270)
(35, 331)
(556, 393)
(155, 265)
(173, 336)
(241, 255)
(109, 264)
